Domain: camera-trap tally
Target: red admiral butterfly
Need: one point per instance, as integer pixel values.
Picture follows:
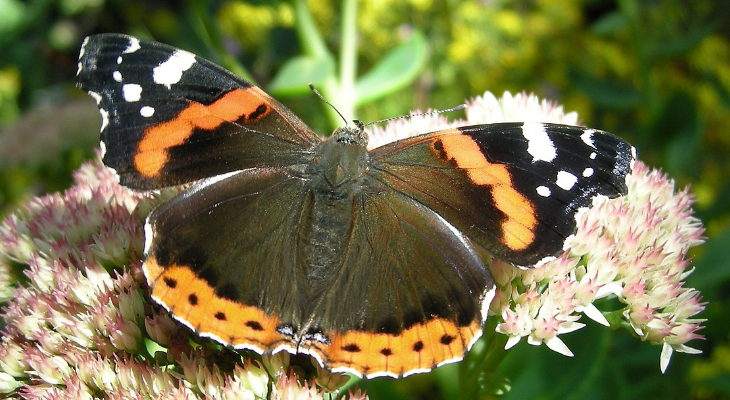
(369, 261)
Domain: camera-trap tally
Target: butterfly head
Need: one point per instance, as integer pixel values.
(342, 158)
(350, 135)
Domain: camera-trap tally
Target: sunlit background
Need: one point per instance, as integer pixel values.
(654, 72)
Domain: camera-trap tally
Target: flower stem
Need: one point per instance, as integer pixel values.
(478, 376)
(348, 59)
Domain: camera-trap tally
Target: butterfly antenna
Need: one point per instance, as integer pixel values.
(457, 108)
(311, 86)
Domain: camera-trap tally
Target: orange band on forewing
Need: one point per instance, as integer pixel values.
(419, 348)
(192, 300)
(518, 227)
(152, 150)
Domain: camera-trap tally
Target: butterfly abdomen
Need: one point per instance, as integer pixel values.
(337, 177)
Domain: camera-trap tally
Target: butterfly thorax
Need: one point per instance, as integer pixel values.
(338, 175)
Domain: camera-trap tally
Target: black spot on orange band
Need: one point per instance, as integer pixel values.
(255, 325)
(446, 339)
(351, 348)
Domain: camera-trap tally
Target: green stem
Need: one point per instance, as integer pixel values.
(312, 42)
(314, 46)
(348, 59)
(478, 376)
(208, 32)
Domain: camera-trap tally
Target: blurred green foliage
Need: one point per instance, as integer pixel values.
(654, 72)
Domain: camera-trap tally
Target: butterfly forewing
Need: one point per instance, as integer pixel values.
(513, 188)
(170, 117)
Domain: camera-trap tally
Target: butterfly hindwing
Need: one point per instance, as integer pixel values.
(381, 313)
(222, 257)
(181, 117)
(513, 188)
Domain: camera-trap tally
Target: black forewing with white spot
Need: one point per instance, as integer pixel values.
(567, 167)
(558, 169)
(140, 84)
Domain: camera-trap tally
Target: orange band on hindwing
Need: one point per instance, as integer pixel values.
(417, 349)
(193, 301)
(153, 150)
(520, 219)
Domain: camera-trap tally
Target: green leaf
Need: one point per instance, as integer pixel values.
(396, 70)
(682, 44)
(610, 24)
(712, 271)
(13, 13)
(293, 78)
(606, 93)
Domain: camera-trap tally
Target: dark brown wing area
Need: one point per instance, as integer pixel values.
(222, 258)
(410, 294)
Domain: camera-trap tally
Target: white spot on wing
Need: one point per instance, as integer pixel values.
(486, 300)
(117, 76)
(119, 60)
(148, 234)
(566, 180)
(83, 47)
(587, 137)
(588, 172)
(291, 349)
(81, 55)
(133, 46)
(112, 170)
(146, 111)
(542, 262)
(539, 144)
(416, 371)
(132, 92)
(382, 374)
(208, 182)
(95, 96)
(543, 191)
(170, 71)
(104, 119)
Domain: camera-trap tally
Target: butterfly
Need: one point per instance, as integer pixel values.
(370, 261)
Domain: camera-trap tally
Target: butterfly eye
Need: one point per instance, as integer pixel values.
(317, 160)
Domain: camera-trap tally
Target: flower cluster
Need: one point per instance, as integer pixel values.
(78, 322)
(633, 248)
